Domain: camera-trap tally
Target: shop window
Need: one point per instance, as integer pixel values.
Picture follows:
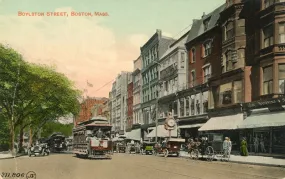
(225, 94)
(282, 32)
(281, 75)
(267, 80)
(278, 141)
(193, 55)
(268, 36)
(205, 106)
(207, 47)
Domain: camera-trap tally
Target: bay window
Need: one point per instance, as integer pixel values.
(229, 30)
(268, 36)
(229, 62)
(267, 80)
(281, 76)
(187, 107)
(282, 32)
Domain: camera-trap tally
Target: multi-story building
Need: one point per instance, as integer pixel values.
(137, 90)
(119, 102)
(86, 107)
(265, 29)
(113, 108)
(151, 52)
(230, 78)
(130, 103)
(172, 78)
(203, 46)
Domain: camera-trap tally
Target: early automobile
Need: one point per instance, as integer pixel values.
(39, 150)
(119, 144)
(148, 148)
(171, 147)
(91, 139)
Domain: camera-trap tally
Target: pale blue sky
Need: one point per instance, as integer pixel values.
(126, 16)
(88, 48)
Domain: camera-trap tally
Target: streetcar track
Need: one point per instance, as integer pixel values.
(220, 172)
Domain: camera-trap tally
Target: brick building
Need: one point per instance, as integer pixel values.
(86, 107)
(265, 29)
(130, 103)
(203, 48)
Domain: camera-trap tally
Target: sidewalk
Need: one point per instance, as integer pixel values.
(6, 155)
(253, 160)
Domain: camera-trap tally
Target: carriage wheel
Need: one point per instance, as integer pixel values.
(194, 154)
(210, 153)
(165, 153)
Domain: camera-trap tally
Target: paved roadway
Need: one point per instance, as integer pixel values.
(130, 166)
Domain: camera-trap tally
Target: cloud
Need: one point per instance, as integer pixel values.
(78, 46)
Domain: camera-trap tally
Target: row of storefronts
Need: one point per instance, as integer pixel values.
(261, 123)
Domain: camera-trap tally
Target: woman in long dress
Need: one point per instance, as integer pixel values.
(243, 148)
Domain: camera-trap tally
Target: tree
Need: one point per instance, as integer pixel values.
(54, 126)
(34, 93)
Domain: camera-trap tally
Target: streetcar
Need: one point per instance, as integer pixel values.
(91, 139)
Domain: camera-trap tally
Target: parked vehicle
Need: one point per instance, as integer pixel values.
(39, 150)
(91, 139)
(148, 148)
(171, 147)
(119, 144)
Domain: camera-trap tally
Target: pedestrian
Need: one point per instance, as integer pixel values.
(230, 146)
(256, 143)
(243, 147)
(262, 147)
(226, 146)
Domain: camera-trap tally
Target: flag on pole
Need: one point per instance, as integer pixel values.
(89, 84)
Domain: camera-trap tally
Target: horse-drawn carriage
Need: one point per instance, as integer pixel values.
(171, 147)
(210, 147)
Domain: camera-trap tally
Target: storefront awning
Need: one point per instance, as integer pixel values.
(262, 119)
(222, 123)
(134, 134)
(162, 132)
(190, 126)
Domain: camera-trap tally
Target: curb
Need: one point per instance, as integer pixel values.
(12, 157)
(249, 163)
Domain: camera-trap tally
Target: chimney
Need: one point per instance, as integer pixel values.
(158, 31)
(203, 14)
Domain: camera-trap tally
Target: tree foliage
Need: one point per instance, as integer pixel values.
(38, 92)
(53, 126)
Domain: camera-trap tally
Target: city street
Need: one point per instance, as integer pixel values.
(129, 166)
